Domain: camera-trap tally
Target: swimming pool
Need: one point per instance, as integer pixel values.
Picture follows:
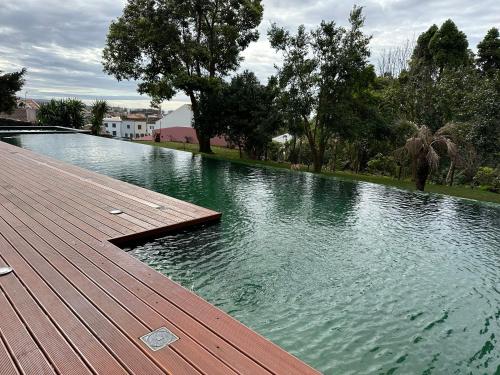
(353, 278)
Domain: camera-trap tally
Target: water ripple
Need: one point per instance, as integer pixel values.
(353, 278)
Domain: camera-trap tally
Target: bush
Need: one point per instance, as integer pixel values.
(488, 178)
(275, 151)
(380, 164)
(484, 176)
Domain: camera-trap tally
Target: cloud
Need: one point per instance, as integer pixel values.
(60, 42)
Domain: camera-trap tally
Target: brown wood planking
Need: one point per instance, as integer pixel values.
(77, 333)
(57, 233)
(6, 362)
(82, 256)
(75, 266)
(24, 348)
(60, 353)
(95, 200)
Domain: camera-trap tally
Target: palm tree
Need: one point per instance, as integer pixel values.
(98, 110)
(74, 112)
(423, 150)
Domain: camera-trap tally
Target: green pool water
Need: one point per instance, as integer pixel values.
(353, 278)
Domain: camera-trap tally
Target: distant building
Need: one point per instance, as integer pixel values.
(113, 126)
(26, 111)
(284, 138)
(177, 126)
(134, 127)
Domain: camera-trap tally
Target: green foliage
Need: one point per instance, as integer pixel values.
(481, 108)
(323, 80)
(65, 112)
(10, 83)
(427, 92)
(488, 178)
(422, 55)
(488, 52)
(98, 110)
(449, 47)
(187, 46)
(381, 164)
(250, 114)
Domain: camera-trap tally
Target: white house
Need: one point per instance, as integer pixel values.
(113, 126)
(177, 126)
(182, 117)
(283, 138)
(133, 128)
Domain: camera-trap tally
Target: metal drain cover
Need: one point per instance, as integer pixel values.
(159, 339)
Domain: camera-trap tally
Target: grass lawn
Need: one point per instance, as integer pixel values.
(223, 153)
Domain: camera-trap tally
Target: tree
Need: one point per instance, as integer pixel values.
(422, 55)
(323, 71)
(10, 83)
(67, 113)
(98, 110)
(74, 109)
(250, 113)
(449, 47)
(393, 61)
(423, 150)
(488, 52)
(439, 53)
(457, 132)
(187, 46)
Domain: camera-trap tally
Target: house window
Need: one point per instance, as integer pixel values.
(114, 125)
(106, 124)
(139, 127)
(142, 135)
(114, 133)
(126, 135)
(128, 126)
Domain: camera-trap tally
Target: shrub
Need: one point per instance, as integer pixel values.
(488, 178)
(381, 164)
(484, 176)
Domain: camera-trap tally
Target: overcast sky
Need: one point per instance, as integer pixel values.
(60, 42)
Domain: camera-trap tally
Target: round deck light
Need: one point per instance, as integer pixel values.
(5, 270)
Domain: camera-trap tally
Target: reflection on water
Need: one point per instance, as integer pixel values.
(353, 278)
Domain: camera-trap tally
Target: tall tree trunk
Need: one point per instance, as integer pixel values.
(317, 164)
(422, 172)
(334, 161)
(317, 156)
(451, 173)
(204, 142)
(203, 139)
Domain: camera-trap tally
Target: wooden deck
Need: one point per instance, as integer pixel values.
(77, 304)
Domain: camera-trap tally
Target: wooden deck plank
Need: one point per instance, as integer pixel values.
(83, 273)
(92, 300)
(70, 200)
(114, 323)
(96, 354)
(107, 183)
(60, 353)
(24, 348)
(94, 199)
(6, 363)
(83, 254)
(130, 207)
